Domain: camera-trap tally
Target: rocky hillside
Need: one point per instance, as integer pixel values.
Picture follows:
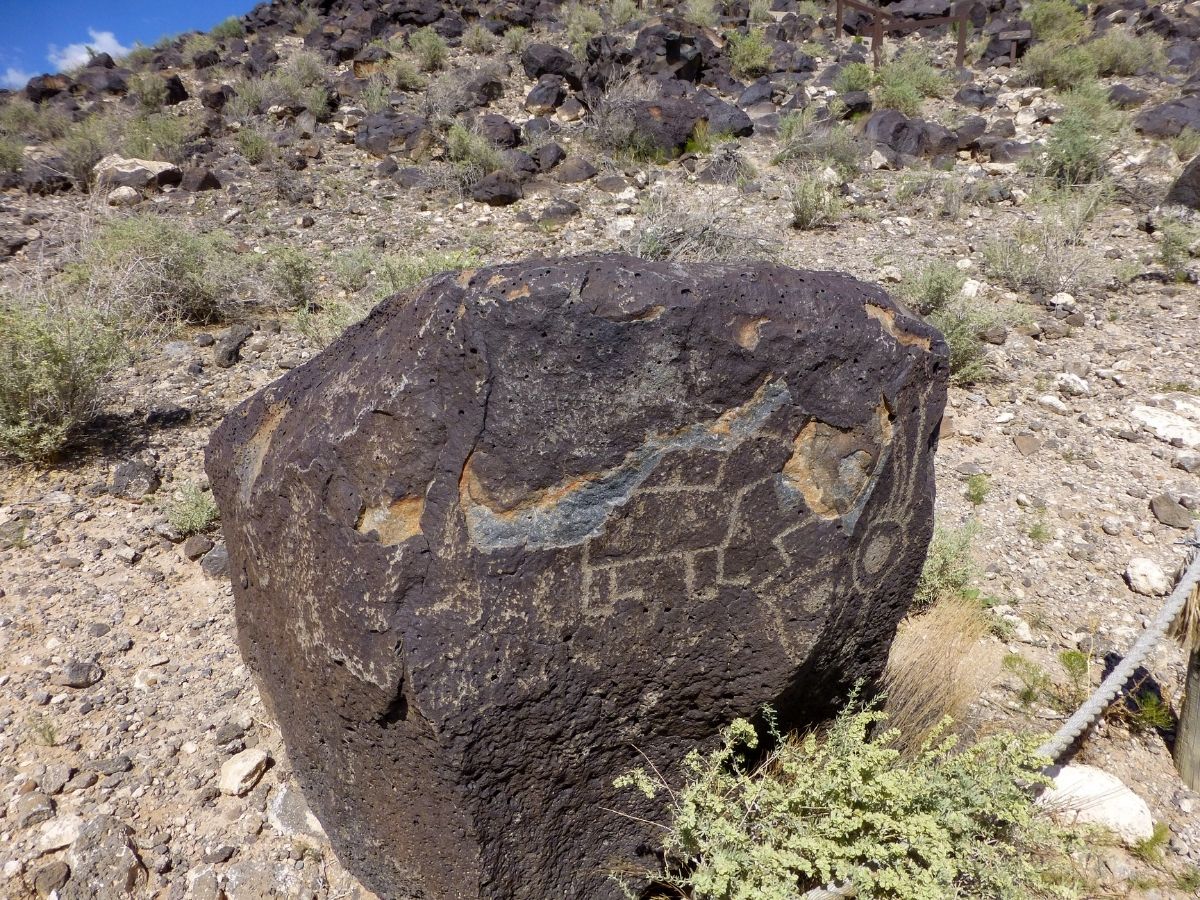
(181, 226)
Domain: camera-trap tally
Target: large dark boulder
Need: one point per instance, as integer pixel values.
(1170, 119)
(514, 530)
(663, 125)
(546, 59)
(1186, 189)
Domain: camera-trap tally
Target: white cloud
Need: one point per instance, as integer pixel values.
(73, 55)
(14, 78)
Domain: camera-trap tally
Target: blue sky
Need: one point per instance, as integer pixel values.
(47, 35)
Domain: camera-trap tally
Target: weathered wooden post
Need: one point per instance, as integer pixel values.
(1187, 632)
(841, 19)
(960, 15)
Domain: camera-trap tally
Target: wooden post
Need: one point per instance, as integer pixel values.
(841, 20)
(1187, 735)
(960, 12)
(877, 39)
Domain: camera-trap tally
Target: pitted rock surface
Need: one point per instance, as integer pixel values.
(507, 534)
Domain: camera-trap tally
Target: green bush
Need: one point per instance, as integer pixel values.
(254, 146)
(54, 357)
(154, 271)
(87, 142)
(1186, 144)
(429, 48)
(195, 44)
(626, 12)
(582, 23)
(960, 324)
(21, 118)
(905, 81)
(932, 288)
(1056, 66)
(1121, 52)
(472, 154)
(803, 140)
(229, 29)
(1173, 252)
(160, 136)
(853, 77)
(701, 12)
(293, 276)
(814, 204)
(516, 39)
(948, 568)
(1055, 20)
(1075, 152)
(760, 12)
(193, 512)
(12, 154)
(403, 74)
(352, 269)
(749, 54)
(149, 89)
(478, 39)
(376, 95)
(1089, 100)
(846, 806)
(399, 273)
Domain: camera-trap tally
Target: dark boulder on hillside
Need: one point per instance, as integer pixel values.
(514, 530)
(546, 59)
(1186, 189)
(663, 125)
(1170, 119)
(42, 87)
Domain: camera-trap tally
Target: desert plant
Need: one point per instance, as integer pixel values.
(376, 94)
(1173, 249)
(908, 79)
(814, 204)
(1038, 531)
(403, 74)
(701, 12)
(402, 272)
(19, 118)
(978, 486)
(1150, 850)
(197, 43)
(749, 54)
(156, 272)
(149, 89)
(87, 142)
(1055, 20)
(192, 511)
(1119, 51)
(429, 48)
(961, 324)
(612, 126)
(760, 12)
(472, 153)
(478, 39)
(582, 23)
(1186, 144)
(937, 667)
(676, 228)
(1056, 66)
(352, 269)
(254, 146)
(845, 806)
(12, 154)
(853, 77)
(1033, 682)
(293, 276)
(55, 353)
(932, 287)
(804, 140)
(1078, 667)
(229, 29)
(623, 12)
(516, 39)
(160, 136)
(948, 568)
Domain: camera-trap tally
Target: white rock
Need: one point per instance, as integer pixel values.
(1064, 300)
(879, 161)
(116, 170)
(971, 288)
(240, 773)
(1070, 385)
(59, 832)
(124, 196)
(891, 274)
(288, 813)
(1146, 577)
(1052, 403)
(1176, 418)
(1086, 795)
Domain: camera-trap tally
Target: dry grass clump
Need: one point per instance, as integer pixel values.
(676, 228)
(906, 81)
(804, 140)
(611, 125)
(298, 83)
(938, 666)
(814, 203)
(429, 48)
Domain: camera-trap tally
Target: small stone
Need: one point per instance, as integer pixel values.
(239, 774)
(1147, 578)
(288, 813)
(216, 563)
(33, 808)
(133, 480)
(196, 546)
(59, 832)
(104, 862)
(1170, 512)
(1052, 403)
(1086, 795)
(124, 196)
(78, 674)
(1027, 444)
(1070, 385)
(50, 878)
(1111, 526)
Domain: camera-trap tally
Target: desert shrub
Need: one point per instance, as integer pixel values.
(305, 20)
(1055, 20)
(960, 324)
(19, 118)
(12, 154)
(516, 39)
(933, 287)
(672, 227)
(403, 74)
(905, 81)
(1056, 66)
(582, 23)
(324, 320)
(472, 153)
(293, 276)
(429, 49)
(149, 89)
(624, 12)
(948, 568)
(803, 139)
(728, 165)
(161, 136)
(306, 67)
(846, 806)
(1173, 253)
(701, 12)
(1089, 100)
(376, 94)
(55, 353)
(611, 123)
(814, 204)
(478, 39)
(760, 12)
(229, 29)
(749, 54)
(197, 43)
(254, 146)
(192, 511)
(352, 270)
(402, 272)
(1121, 52)
(87, 142)
(853, 77)
(156, 272)
(1076, 151)
(1186, 144)
(937, 667)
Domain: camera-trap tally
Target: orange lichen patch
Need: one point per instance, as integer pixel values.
(250, 459)
(518, 293)
(495, 280)
(723, 426)
(887, 318)
(746, 331)
(833, 468)
(394, 523)
(471, 492)
(465, 276)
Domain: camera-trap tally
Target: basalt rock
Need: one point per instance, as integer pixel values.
(512, 531)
